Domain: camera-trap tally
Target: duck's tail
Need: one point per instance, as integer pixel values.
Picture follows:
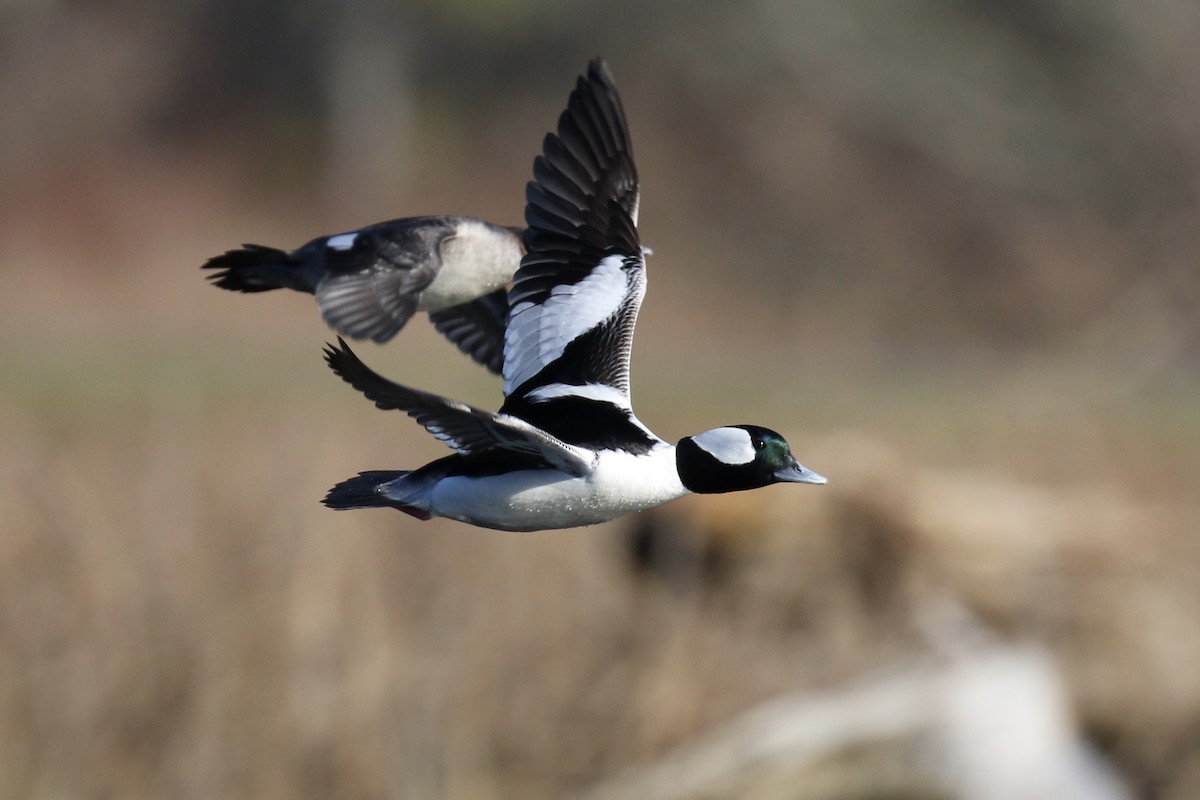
(255, 268)
(367, 490)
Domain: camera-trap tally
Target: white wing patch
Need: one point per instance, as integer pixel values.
(538, 334)
(343, 241)
(727, 445)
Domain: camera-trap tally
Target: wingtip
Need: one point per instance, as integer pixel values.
(334, 355)
(599, 78)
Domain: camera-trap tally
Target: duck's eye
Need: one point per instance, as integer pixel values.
(759, 444)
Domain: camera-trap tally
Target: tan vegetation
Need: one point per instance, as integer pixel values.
(949, 250)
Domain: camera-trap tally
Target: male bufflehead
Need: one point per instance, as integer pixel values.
(368, 282)
(565, 449)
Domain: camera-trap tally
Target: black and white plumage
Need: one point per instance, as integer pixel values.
(369, 282)
(565, 449)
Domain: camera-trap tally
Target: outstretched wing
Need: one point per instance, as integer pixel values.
(460, 426)
(575, 298)
(372, 278)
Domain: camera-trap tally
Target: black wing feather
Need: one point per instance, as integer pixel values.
(581, 209)
(464, 428)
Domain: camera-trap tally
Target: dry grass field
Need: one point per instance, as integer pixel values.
(999, 376)
(180, 618)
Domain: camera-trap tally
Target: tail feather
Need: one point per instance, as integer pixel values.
(365, 490)
(256, 268)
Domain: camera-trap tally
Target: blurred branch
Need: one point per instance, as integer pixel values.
(994, 719)
(786, 732)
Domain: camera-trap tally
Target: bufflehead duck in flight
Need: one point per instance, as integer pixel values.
(369, 282)
(565, 449)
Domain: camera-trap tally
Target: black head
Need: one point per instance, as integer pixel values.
(738, 457)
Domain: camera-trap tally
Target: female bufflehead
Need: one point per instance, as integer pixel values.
(565, 449)
(368, 282)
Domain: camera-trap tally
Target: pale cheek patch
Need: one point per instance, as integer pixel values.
(728, 445)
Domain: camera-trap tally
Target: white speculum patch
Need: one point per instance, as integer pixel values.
(343, 241)
(728, 445)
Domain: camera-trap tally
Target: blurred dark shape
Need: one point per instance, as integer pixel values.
(663, 546)
(876, 547)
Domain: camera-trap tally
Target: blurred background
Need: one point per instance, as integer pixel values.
(947, 247)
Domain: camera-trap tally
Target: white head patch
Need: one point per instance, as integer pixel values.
(343, 241)
(727, 445)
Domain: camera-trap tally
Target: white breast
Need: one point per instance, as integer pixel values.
(475, 261)
(544, 499)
